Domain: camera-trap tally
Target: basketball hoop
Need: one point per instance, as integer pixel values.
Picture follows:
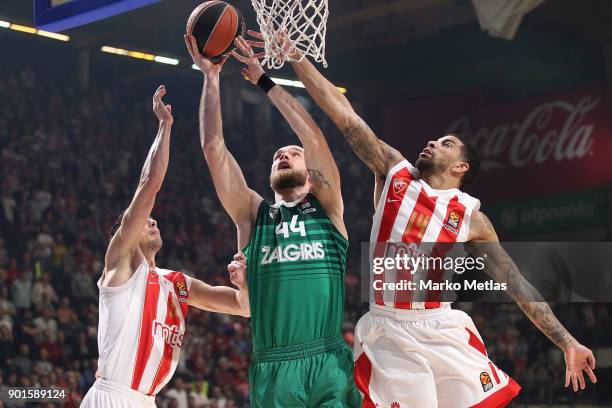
(287, 25)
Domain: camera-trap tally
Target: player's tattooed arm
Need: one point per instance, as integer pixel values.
(483, 241)
(376, 154)
(318, 180)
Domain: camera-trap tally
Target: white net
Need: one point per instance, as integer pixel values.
(290, 24)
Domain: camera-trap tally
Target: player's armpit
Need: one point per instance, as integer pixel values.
(221, 299)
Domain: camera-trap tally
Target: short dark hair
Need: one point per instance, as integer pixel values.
(117, 224)
(470, 155)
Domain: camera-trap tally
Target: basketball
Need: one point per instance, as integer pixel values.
(215, 24)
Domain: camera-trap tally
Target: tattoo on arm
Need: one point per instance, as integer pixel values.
(375, 153)
(524, 294)
(318, 180)
(533, 305)
(361, 145)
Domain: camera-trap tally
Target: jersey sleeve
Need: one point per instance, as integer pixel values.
(188, 280)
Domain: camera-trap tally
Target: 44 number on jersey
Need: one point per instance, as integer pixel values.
(285, 228)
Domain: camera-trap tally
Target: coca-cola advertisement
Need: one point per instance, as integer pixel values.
(536, 146)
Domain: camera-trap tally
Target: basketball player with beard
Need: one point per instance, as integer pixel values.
(295, 248)
(412, 349)
(143, 308)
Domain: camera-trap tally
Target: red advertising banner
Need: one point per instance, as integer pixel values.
(538, 146)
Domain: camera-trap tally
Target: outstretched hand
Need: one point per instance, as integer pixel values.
(289, 49)
(162, 111)
(206, 65)
(578, 358)
(253, 70)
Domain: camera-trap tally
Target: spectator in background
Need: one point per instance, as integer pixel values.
(64, 312)
(45, 325)
(43, 294)
(22, 291)
(22, 362)
(42, 366)
(82, 286)
(7, 345)
(178, 392)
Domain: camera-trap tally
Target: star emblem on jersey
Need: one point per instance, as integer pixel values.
(399, 185)
(485, 381)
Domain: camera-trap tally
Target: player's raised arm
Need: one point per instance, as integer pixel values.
(322, 168)
(502, 268)
(239, 201)
(117, 269)
(224, 299)
(375, 153)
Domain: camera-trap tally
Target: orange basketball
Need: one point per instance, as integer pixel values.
(215, 24)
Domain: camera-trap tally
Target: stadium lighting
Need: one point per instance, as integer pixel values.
(32, 30)
(166, 60)
(23, 29)
(285, 82)
(298, 84)
(140, 55)
(55, 36)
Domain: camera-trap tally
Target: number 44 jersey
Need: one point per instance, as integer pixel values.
(295, 265)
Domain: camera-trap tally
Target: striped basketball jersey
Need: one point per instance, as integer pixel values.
(425, 219)
(141, 328)
(296, 260)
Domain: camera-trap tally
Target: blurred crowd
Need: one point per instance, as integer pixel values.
(70, 163)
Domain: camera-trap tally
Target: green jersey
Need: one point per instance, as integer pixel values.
(295, 261)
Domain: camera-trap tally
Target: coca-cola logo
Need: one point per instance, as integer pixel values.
(555, 131)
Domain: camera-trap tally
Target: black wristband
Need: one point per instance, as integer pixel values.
(265, 83)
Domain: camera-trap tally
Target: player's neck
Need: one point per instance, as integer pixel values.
(439, 181)
(291, 194)
(149, 255)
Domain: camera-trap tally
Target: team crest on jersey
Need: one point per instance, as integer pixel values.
(399, 185)
(452, 222)
(485, 381)
(453, 219)
(181, 288)
(305, 203)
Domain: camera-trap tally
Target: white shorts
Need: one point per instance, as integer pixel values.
(426, 359)
(109, 394)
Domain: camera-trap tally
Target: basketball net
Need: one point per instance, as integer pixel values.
(287, 25)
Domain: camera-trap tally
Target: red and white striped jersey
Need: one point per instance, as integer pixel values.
(141, 328)
(410, 211)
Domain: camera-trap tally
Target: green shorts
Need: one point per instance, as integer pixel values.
(314, 374)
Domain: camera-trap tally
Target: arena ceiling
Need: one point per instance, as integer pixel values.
(410, 38)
